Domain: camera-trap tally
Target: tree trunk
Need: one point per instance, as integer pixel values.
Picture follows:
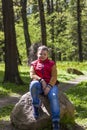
(25, 25)
(52, 31)
(50, 10)
(18, 58)
(48, 6)
(11, 67)
(79, 31)
(42, 20)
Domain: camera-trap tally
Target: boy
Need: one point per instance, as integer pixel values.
(43, 73)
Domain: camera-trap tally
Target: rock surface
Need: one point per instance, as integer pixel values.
(22, 114)
(74, 71)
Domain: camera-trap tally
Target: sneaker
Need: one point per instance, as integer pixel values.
(36, 112)
(55, 125)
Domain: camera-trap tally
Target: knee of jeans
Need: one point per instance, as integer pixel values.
(56, 88)
(34, 84)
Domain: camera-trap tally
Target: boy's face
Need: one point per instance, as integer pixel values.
(42, 54)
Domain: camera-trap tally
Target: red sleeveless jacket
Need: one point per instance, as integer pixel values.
(43, 68)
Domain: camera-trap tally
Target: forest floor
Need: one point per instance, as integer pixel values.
(6, 125)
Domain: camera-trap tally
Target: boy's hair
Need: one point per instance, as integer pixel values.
(43, 47)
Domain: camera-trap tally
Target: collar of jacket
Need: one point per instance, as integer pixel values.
(43, 61)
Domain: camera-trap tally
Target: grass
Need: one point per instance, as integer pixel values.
(62, 70)
(8, 89)
(5, 112)
(78, 94)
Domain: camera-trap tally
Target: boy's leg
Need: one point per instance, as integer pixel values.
(35, 90)
(54, 106)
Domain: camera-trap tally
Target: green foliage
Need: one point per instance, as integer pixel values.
(21, 41)
(5, 112)
(62, 68)
(67, 120)
(34, 32)
(65, 31)
(1, 45)
(4, 91)
(72, 26)
(1, 36)
(78, 96)
(8, 89)
(34, 28)
(2, 67)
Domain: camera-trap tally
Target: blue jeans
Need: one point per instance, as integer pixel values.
(36, 89)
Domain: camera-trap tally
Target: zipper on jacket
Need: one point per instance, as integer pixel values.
(43, 71)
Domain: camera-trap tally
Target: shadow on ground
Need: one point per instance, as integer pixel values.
(6, 125)
(63, 86)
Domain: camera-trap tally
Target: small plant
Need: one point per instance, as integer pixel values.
(78, 96)
(5, 112)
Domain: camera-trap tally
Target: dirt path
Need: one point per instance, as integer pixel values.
(14, 99)
(8, 100)
(68, 84)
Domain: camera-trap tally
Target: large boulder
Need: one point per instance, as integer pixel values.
(22, 114)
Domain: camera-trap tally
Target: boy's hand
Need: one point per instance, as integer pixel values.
(46, 90)
(43, 83)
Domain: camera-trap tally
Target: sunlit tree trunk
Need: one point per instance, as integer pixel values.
(25, 25)
(50, 10)
(79, 31)
(42, 20)
(52, 31)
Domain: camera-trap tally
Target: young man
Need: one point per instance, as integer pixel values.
(43, 73)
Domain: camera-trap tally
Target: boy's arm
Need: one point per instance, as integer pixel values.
(53, 76)
(33, 74)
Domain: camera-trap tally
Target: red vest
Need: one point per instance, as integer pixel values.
(43, 68)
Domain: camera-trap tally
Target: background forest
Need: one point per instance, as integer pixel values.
(59, 24)
(63, 23)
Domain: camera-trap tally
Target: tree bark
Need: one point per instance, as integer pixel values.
(11, 66)
(52, 31)
(48, 6)
(25, 26)
(79, 31)
(42, 20)
(50, 10)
